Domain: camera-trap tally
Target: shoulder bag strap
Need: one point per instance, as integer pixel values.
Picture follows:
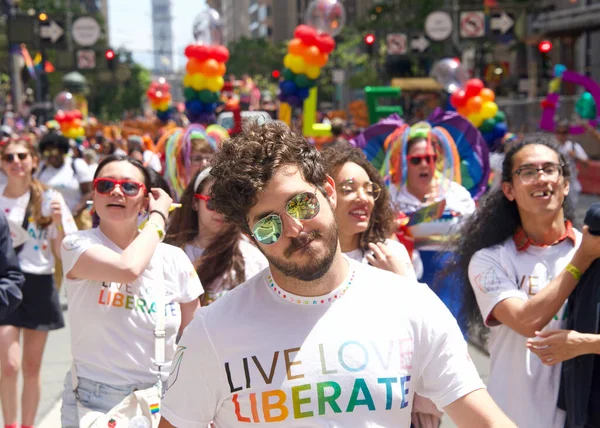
(159, 327)
(25, 226)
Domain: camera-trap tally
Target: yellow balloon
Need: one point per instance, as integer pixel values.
(187, 80)
(287, 61)
(296, 64)
(476, 119)
(313, 71)
(215, 84)
(489, 109)
(81, 132)
(554, 86)
(199, 81)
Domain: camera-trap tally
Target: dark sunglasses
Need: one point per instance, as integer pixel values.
(416, 160)
(128, 187)
(210, 205)
(10, 157)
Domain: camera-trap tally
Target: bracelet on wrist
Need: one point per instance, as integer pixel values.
(164, 217)
(574, 271)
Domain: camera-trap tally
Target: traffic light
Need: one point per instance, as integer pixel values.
(545, 48)
(276, 74)
(369, 43)
(43, 16)
(110, 59)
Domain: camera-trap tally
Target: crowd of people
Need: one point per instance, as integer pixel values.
(277, 286)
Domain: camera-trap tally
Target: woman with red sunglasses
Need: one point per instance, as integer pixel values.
(115, 275)
(223, 256)
(39, 219)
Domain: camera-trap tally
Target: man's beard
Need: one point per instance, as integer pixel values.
(318, 265)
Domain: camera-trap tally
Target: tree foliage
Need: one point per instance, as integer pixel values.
(255, 57)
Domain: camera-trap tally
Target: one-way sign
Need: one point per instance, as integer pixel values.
(501, 22)
(419, 43)
(51, 31)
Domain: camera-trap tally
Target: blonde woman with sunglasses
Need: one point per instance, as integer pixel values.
(115, 277)
(39, 219)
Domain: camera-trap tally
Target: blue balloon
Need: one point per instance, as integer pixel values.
(302, 93)
(194, 107)
(559, 69)
(500, 129)
(288, 87)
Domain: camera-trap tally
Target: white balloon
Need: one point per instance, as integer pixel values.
(450, 74)
(327, 16)
(208, 28)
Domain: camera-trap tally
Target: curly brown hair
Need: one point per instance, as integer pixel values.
(247, 162)
(382, 222)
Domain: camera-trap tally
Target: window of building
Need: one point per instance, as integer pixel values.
(262, 13)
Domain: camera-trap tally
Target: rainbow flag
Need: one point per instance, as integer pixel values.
(28, 61)
(37, 62)
(154, 408)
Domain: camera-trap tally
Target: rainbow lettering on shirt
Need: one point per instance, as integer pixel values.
(355, 387)
(123, 296)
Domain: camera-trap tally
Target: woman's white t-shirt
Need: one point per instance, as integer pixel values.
(395, 247)
(67, 179)
(36, 257)
(112, 324)
(254, 262)
(524, 388)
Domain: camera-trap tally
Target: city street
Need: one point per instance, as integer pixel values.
(57, 359)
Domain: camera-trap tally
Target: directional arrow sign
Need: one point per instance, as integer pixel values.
(502, 23)
(419, 44)
(53, 32)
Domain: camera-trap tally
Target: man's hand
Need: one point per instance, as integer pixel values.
(556, 346)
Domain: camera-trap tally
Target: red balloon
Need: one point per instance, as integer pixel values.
(325, 43)
(69, 116)
(59, 116)
(78, 114)
(458, 98)
(307, 34)
(473, 87)
(219, 53)
(189, 51)
(200, 52)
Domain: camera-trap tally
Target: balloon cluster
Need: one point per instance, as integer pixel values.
(160, 98)
(70, 123)
(307, 53)
(476, 103)
(586, 106)
(203, 81)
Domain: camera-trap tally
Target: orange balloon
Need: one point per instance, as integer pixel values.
(210, 68)
(296, 47)
(222, 69)
(193, 66)
(323, 58)
(312, 55)
(487, 94)
(464, 111)
(474, 104)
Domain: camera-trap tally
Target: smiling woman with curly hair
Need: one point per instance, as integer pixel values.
(364, 215)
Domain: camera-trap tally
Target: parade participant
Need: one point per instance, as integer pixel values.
(523, 259)
(116, 276)
(363, 212)
(71, 177)
(40, 219)
(11, 277)
(308, 337)
(574, 154)
(223, 257)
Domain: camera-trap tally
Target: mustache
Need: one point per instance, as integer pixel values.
(301, 241)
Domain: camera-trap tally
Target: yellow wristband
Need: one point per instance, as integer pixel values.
(573, 271)
(159, 230)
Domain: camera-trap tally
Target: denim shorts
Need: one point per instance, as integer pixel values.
(96, 396)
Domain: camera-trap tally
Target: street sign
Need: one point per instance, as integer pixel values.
(86, 31)
(419, 43)
(396, 44)
(86, 59)
(438, 26)
(52, 32)
(472, 24)
(501, 22)
(338, 76)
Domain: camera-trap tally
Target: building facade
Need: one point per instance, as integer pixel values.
(162, 36)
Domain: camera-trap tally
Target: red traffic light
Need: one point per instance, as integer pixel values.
(369, 39)
(109, 54)
(545, 46)
(275, 74)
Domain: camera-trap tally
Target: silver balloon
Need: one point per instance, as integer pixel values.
(64, 101)
(450, 74)
(327, 16)
(208, 28)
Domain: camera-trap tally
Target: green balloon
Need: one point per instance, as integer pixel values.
(500, 117)
(288, 74)
(487, 125)
(586, 106)
(189, 94)
(205, 96)
(302, 81)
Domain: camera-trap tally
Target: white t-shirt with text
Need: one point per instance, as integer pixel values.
(524, 388)
(112, 324)
(354, 357)
(36, 256)
(67, 179)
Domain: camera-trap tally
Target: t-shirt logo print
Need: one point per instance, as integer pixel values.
(174, 374)
(487, 281)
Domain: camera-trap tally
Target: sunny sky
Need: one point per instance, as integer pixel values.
(130, 24)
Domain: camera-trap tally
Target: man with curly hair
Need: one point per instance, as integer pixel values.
(316, 339)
